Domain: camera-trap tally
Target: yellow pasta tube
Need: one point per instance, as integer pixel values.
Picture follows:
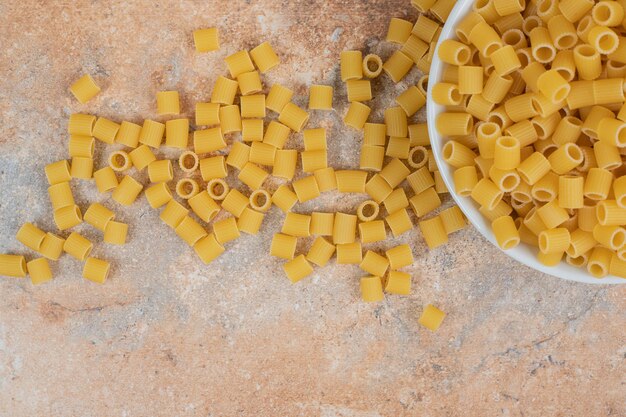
(249, 83)
(151, 133)
(397, 66)
(553, 86)
(588, 62)
(83, 146)
(84, 89)
(141, 157)
(565, 158)
(190, 230)
(603, 39)
(160, 171)
(505, 232)
(610, 214)
(51, 247)
(351, 68)
(115, 233)
(617, 266)
(81, 124)
(235, 202)
(434, 232)
(571, 191)
(396, 200)
(173, 214)
(470, 80)
(612, 132)
(552, 215)
(320, 252)
(357, 115)
(224, 91)
(39, 271)
(227, 230)
(77, 246)
(96, 270)
(554, 240)
(597, 184)
(285, 163)
(425, 202)
(278, 97)
(238, 63)
(67, 217)
(128, 134)
(119, 161)
(187, 188)
(230, 119)
(30, 236)
(344, 228)
(306, 188)
(58, 172)
(374, 263)
(505, 60)
(253, 106)
(158, 195)
(453, 124)
(82, 168)
(168, 102)
(399, 222)
(612, 237)
(284, 198)
(599, 262)
(321, 97)
(204, 206)
(206, 40)
(177, 133)
(262, 153)
(293, 117)
(264, 57)
(373, 65)
(486, 193)
(485, 38)
(13, 266)
(297, 269)
(207, 114)
(98, 216)
(349, 253)
(458, 155)
(447, 94)
(399, 256)
(208, 248)
(284, 246)
(506, 153)
(127, 191)
(372, 289)
(453, 52)
(322, 223)
(607, 156)
(411, 100)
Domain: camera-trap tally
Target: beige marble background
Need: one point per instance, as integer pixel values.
(168, 336)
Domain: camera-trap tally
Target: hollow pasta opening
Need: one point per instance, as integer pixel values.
(561, 93)
(455, 96)
(448, 149)
(618, 239)
(492, 47)
(523, 57)
(510, 182)
(508, 142)
(607, 42)
(512, 37)
(544, 195)
(510, 243)
(597, 270)
(520, 198)
(574, 152)
(543, 242)
(586, 51)
(77, 213)
(418, 157)
(577, 261)
(566, 41)
(601, 13)
(488, 129)
(217, 189)
(601, 213)
(480, 4)
(462, 56)
(595, 196)
(530, 23)
(544, 54)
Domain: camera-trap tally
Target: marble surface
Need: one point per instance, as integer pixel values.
(168, 336)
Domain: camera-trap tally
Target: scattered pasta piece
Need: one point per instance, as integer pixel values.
(431, 317)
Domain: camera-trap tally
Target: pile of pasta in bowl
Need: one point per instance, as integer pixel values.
(535, 126)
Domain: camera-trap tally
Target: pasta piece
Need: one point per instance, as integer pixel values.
(399, 222)
(372, 289)
(399, 256)
(321, 97)
(351, 68)
(351, 181)
(552, 85)
(349, 253)
(58, 172)
(367, 211)
(207, 114)
(588, 62)
(105, 130)
(344, 228)
(411, 100)
(372, 157)
(204, 206)
(252, 130)
(603, 39)
(284, 198)
(398, 283)
(260, 200)
(565, 158)
(397, 66)
(283, 246)
(454, 124)
(234, 202)
(276, 134)
(208, 248)
(30, 236)
(277, 98)
(151, 133)
(425, 202)
(453, 219)
(396, 122)
(188, 162)
(372, 231)
(106, 179)
(297, 269)
(394, 172)
(399, 30)
(320, 252)
(487, 194)
(373, 65)
(208, 140)
(217, 189)
(96, 270)
(81, 124)
(230, 119)
(252, 175)
(77, 246)
(442, 9)
(453, 52)
(431, 317)
(128, 134)
(610, 214)
(599, 262)
(115, 233)
(434, 232)
(98, 216)
(187, 188)
(252, 106)
(505, 232)
(173, 214)
(322, 224)
(250, 221)
(378, 188)
(51, 247)
(249, 83)
(82, 168)
(264, 57)
(440, 185)
(120, 161)
(395, 201)
(612, 237)
(82, 146)
(13, 266)
(447, 94)
(357, 115)
(168, 102)
(238, 157)
(224, 91)
(190, 230)
(359, 90)
(127, 191)
(465, 179)
(315, 139)
(84, 89)
(306, 188)
(485, 39)
(206, 40)
(227, 230)
(314, 160)
(141, 157)
(326, 179)
(552, 215)
(238, 63)
(177, 133)
(571, 191)
(39, 271)
(262, 154)
(285, 163)
(158, 195)
(293, 117)
(554, 240)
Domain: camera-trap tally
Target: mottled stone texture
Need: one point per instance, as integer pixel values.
(168, 336)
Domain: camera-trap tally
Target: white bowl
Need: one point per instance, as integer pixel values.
(522, 253)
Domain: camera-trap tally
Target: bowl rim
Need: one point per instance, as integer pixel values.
(522, 253)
